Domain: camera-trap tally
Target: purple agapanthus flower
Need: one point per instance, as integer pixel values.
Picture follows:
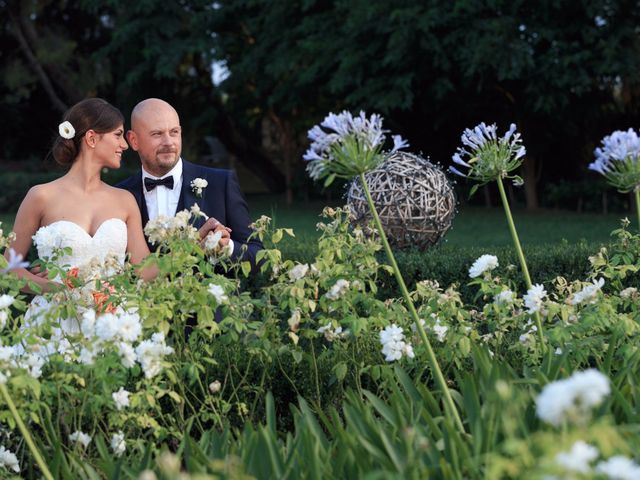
(618, 159)
(14, 261)
(485, 155)
(344, 145)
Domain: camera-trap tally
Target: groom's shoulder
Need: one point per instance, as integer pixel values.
(130, 182)
(207, 172)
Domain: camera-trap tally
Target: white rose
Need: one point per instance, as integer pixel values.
(66, 130)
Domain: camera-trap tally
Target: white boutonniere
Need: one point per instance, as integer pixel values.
(197, 185)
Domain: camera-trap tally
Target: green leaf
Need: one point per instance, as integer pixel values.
(246, 268)
(277, 236)
(297, 355)
(340, 370)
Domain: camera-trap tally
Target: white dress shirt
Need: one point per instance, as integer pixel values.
(161, 200)
(164, 201)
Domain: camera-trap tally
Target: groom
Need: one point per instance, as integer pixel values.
(165, 185)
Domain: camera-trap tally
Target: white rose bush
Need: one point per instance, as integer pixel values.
(309, 368)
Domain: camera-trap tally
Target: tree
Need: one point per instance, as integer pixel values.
(432, 65)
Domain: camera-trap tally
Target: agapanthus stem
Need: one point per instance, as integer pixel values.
(25, 433)
(431, 356)
(637, 194)
(516, 242)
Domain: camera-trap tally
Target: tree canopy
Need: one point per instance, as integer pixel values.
(567, 72)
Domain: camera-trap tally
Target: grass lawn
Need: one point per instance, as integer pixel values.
(472, 227)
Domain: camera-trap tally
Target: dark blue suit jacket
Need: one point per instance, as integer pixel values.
(221, 199)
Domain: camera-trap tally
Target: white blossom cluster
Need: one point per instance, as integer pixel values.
(579, 458)
(150, 354)
(582, 455)
(367, 132)
(588, 294)
(338, 289)
(531, 329)
(83, 341)
(9, 460)
(629, 292)
(218, 293)
(619, 467)
(5, 302)
(394, 345)
(438, 329)
(331, 334)
(483, 264)
(121, 398)
(81, 438)
(161, 229)
(298, 272)
(572, 399)
(118, 444)
(504, 297)
(534, 298)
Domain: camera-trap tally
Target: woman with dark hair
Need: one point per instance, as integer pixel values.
(98, 222)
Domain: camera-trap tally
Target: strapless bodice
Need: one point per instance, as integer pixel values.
(108, 243)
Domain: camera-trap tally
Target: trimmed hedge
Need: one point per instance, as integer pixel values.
(450, 264)
(15, 185)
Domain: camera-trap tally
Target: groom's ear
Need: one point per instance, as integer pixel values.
(133, 139)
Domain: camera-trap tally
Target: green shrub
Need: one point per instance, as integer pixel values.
(450, 265)
(15, 185)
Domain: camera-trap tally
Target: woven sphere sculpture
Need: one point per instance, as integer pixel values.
(414, 199)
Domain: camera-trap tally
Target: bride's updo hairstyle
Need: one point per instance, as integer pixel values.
(91, 114)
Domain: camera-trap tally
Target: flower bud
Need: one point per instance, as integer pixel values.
(215, 387)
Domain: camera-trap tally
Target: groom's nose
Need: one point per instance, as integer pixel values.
(167, 139)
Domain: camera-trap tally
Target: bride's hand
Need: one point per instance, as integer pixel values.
(39, 273)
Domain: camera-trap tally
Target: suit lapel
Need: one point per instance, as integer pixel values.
(187, 196)
(136, 189)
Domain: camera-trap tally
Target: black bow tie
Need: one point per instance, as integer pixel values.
(151, 183)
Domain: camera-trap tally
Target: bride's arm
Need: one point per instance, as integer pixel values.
(136, 244)
(26, 224)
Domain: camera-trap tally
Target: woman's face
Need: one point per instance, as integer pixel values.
(109, 147)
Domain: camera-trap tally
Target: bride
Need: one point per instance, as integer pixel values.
(98, 222)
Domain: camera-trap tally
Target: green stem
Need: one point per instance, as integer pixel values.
(516, 242)
(431, 356)
(25, 433)
(637, 194)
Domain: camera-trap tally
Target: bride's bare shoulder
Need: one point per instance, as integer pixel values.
(42, 192)
(122, 197)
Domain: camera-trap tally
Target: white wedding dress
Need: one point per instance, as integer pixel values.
(103, 254)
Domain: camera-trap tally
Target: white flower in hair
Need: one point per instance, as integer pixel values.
(66, 130)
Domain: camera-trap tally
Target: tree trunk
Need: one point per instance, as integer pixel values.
(54, 72)
(286, 140)
(530, 175)
(35, 64)
(249, 155)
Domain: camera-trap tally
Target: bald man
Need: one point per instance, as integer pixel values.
(164, 184)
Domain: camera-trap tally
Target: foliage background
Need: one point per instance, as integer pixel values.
(566, 72)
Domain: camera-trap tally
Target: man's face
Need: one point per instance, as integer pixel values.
(157, 137)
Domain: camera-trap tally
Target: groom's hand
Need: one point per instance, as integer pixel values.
(212, 226)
